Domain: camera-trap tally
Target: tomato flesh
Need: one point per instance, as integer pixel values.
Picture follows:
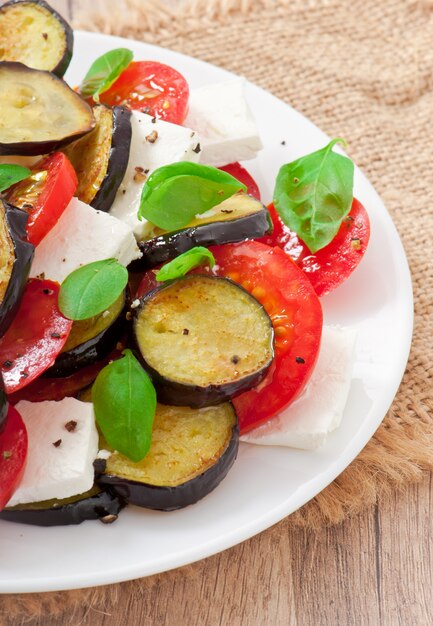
(13, 454)
(45, 194)
(36, 336)
(56, 389)
(329, 267)
(150, 87)
(241, 174)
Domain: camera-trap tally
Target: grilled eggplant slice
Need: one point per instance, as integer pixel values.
(236, 219)
(16, 255)
(191, 452)
(7, 254)
(39, 113)
(90, 340)
(32, 33)
(203, 339)
(100, 158)
(94, 504)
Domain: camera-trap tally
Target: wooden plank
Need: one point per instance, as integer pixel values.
(405, 531)
(335, 570)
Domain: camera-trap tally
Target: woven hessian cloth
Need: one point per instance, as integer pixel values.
(360, 69)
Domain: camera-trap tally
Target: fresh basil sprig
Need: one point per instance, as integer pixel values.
(104, 71)
(314, 194)
(124, 402)
(92, 288)
(174, 194)
(184, 263)
(11, 174)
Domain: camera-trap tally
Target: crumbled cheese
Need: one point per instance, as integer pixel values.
(104, 454)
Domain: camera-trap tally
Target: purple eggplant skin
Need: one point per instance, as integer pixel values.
(168, 246)
(16, 220)
(117, 161)
(182, 394)
(4, 406)
(172, 498)
(90, 351)
(60, 68)
(104, 506)
(179, 394)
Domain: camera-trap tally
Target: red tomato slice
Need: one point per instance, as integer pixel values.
(45, 195)
(241, 174)
(36, 336)
(296, 313)
(151, 87)
(13, 453)
(329, 267)
(58, 388)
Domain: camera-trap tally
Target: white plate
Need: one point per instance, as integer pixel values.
(265, 484)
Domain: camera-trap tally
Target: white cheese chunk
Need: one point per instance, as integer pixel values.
(221, 116)
(66, 468)
(318, 410)
(104, 454)
(154, 143)
(82, 235)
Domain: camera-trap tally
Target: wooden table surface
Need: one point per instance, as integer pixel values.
(375, 569)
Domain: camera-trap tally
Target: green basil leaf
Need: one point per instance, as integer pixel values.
(104, 71)
(174, 194)
(11, 174)
(184, 263)
(314, 194)
(92, 288)
(124, 401)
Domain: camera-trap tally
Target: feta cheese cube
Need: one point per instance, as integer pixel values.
(82, 235)
(221, 116)
(60, 457)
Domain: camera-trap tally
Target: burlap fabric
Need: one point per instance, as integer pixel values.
(362, 69)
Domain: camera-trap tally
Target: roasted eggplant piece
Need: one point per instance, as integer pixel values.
(39, 112)
(203, 339)
(100, 158)
(94, 504)
(236, 219)
(16, 255)
(191, 452)
(32, 33)
(7, 256)
(90, 340)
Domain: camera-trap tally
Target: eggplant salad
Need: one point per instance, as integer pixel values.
(154, 312)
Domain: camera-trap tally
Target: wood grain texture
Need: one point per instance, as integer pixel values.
(375, 569)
